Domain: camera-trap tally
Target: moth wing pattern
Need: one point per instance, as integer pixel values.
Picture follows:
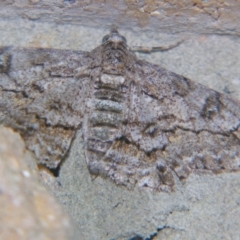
(174, 127)
(142, 124)
(168, 126)
(187, 127)
(42, 97)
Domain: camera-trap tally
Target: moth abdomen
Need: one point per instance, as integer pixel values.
(106, 115)
(112, 119)
(97, 145)
(108, 105)
(108, 94)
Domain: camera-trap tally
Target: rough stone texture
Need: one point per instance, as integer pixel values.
(206, 206)
(209, 16)
(27, 210)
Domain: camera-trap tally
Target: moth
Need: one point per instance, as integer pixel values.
(142, 125)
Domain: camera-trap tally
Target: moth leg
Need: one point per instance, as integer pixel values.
(145, 49)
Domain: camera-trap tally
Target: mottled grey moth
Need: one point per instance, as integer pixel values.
(142, 124)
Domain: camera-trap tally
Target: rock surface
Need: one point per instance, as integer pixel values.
(205, 206)
(27, 210)
(206, 16)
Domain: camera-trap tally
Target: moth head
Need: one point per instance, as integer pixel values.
(114, 38)
(115, 53)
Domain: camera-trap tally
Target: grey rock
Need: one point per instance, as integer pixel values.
(27, 210)
(206, 206)
(198, 16)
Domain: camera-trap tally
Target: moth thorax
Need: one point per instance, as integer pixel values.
(114, 81)
(114, 61)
